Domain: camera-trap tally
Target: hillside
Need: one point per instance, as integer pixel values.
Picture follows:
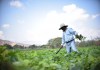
(2, 42)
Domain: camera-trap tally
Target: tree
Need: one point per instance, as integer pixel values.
(33, 46)
(8, 46)
(54, 43)
(18, 46)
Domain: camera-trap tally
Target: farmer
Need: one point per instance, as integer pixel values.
(68, 38)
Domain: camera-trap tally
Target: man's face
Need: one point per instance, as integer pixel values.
(64, 28)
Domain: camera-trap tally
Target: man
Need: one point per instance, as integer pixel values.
(68, 38)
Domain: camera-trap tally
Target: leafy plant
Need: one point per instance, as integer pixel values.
(88, 58)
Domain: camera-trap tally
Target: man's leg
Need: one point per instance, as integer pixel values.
(73, 46)
(68, 47)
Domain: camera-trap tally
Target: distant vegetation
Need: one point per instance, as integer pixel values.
(56, 43)
(95, 42)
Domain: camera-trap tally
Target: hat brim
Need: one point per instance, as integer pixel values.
(63, 26)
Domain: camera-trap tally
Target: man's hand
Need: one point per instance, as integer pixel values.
(62, 46)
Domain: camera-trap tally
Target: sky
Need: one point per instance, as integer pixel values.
(37, 21)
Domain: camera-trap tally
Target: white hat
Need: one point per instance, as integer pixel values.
(62, 25)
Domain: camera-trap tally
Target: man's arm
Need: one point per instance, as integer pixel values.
(72, 31)
(75, 33)
(63, 40)
(80, 37)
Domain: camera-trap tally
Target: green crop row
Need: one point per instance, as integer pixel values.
(88, 58)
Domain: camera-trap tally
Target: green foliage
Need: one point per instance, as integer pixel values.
(54, 43)
(33, 46)
(6, 58)
(80, 37)
(7, 55)
(8, 46)
(18, 47)
(88, 58)
(89, 43)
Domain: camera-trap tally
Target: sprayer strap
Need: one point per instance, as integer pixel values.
(70, 41)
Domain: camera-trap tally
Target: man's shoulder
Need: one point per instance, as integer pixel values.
(69, 28)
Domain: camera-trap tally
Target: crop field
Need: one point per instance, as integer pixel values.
(88, 58)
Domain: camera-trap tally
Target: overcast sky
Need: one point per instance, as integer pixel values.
(37, 21)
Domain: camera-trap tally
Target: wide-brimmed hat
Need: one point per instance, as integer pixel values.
(62, 25)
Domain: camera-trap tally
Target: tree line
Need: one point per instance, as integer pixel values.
(56, 43)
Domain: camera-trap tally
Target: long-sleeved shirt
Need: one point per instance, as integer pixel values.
(68, 35)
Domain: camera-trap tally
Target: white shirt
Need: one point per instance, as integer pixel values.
(68, 35)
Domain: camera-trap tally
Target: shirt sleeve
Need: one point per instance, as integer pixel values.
(63, 40)
(72, 31)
